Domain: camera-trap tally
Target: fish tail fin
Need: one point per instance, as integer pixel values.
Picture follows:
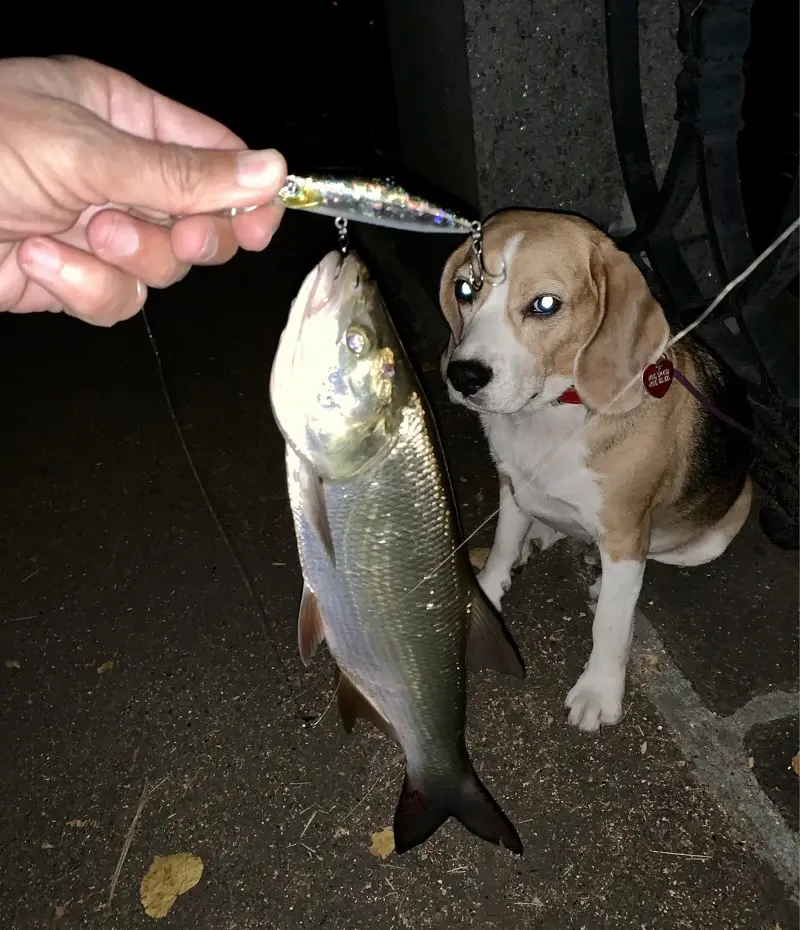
(424, 807)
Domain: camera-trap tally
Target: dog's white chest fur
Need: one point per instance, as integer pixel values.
(547, 467)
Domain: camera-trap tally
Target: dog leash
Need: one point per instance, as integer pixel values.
(712, 408)
(657, 380)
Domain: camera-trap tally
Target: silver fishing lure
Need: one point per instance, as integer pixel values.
(379, 203)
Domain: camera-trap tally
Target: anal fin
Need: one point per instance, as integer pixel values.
(353, 704)
(310, 628)
(489, 645)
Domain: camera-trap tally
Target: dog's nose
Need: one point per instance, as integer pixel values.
(469, 376)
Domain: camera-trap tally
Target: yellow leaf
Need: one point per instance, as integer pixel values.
(166, 879)
(751, 762)
(478, 557)
(12, 663)
(105, 667)
(382, 843)
(796, 764)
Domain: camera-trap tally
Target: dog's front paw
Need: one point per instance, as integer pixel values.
(596, 699)
(494, 586)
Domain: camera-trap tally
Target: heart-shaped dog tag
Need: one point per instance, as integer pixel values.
(658, 377)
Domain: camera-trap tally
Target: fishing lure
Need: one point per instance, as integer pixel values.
(379, 203)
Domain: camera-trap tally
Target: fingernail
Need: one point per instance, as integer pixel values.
(209, 249)
(41, 259)
(261, 170)
(123, 239)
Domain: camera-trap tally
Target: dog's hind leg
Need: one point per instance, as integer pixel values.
(541, 535)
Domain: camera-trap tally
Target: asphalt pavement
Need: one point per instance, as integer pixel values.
(151, 705)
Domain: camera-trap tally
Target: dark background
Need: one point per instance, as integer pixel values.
(313, 79)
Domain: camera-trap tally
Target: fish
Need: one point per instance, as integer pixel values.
(387, 584)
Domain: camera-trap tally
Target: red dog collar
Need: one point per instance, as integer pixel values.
(570, 396)
(656, 379)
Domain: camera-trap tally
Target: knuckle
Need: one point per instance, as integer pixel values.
(183, 168)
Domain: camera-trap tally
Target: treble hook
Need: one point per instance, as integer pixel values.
(478, 277)
(344, 240)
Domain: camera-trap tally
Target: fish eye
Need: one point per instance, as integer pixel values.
(357, 340)
(465, 293)
(544, 305)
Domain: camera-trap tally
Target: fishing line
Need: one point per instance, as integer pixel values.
(237, 561)
(589, 418)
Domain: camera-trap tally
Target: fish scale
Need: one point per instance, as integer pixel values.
(396, 527)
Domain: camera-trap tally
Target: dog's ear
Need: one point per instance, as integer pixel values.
(447, 295)
(630, 333)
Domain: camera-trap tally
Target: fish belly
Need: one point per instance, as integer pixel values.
(394, 604)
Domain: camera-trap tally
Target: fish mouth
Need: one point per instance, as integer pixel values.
(338, 277)
(352, 273)
(324, 285)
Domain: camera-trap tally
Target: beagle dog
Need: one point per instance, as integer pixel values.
(550, 351)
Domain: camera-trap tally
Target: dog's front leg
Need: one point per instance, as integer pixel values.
(509, 538)
(597, 696)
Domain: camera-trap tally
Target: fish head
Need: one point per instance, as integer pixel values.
(340, 379)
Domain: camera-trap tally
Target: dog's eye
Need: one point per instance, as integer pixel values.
(465, 293)
(544, 305)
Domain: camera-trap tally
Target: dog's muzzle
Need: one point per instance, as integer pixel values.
(468, 376)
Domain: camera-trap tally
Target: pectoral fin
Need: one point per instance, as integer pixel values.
(314, 507)
(490, 645)
(310, 628)
(353, 704)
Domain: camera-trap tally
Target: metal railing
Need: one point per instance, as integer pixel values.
(713, 37)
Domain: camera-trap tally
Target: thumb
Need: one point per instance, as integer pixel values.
(181, 179)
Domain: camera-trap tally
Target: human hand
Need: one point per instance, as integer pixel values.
(80, 145)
